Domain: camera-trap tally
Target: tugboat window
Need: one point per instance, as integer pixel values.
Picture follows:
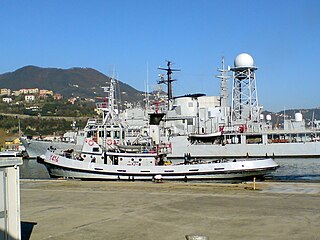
(95, 149)
(117, 134)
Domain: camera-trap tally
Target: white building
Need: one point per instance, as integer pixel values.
(7, 100)
(29, 98)
(5, 91)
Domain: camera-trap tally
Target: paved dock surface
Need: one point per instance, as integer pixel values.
(144, 210)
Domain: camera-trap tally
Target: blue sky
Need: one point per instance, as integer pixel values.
(282, 36)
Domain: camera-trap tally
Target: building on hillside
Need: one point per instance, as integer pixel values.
(29, 98)
(7, 99)
(16, 93)
(12, 143)
(24, 91)
(89, 100)
(33, 108)
(72, 100)
(57, 96)
(5, 92)
(33, 90)
(29, 91)
(45, 92)
(43, 96)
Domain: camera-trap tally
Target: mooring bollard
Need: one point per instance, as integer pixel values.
(196, 237)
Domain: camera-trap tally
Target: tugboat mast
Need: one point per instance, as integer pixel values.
(168, 81)
(109, 108)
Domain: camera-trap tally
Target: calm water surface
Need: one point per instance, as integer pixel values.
(291, 169)
(298, 169)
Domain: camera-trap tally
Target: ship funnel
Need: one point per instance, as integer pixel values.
(154, 121)
(298, 117)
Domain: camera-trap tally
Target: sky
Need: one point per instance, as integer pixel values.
(137, 36)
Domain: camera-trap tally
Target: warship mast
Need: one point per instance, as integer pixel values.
(168, 81)
(224, 96)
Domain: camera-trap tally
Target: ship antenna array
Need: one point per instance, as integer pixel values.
(169, 79)
(112, 106)
(224, 101)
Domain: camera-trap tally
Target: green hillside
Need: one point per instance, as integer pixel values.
(73, 82)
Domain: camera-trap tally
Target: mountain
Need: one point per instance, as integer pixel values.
(77, 82)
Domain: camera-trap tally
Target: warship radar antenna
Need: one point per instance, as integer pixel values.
(168, 81)
(224, 96)
(224, 101)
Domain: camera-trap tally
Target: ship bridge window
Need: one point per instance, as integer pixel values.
(89, 134)
(254, 139)
(95, 149)
(279, 138)
(108, 134)
(101, 133)
(116, 134)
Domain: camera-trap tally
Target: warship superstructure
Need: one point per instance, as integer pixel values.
(202, 127)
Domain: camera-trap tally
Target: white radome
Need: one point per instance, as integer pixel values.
(243, 60)
(268, 117)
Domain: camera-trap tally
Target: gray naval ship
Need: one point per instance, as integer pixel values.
(197, 126)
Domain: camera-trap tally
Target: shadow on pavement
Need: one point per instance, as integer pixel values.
(26, 230)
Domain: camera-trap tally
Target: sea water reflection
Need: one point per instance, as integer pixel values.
(291, 169)
(31, 169)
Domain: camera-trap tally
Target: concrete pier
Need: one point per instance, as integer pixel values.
(60, 209)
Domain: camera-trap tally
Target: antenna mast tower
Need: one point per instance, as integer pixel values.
(168, 81)
(224, 96)
(245, 106)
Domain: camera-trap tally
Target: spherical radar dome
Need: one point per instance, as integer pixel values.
(244, 60)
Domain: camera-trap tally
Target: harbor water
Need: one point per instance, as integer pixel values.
(291, 169)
